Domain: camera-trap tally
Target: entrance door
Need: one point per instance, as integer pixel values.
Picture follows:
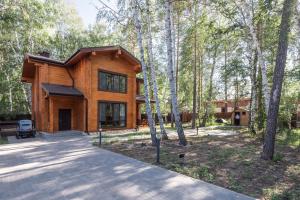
(64, 119)
(237, 118)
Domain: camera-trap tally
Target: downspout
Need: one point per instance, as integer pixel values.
(86, 115)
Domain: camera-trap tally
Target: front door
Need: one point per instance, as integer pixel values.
(64, 119)
(237, 118)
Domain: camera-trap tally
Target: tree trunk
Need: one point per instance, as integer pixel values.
(28, 105)
(179, 128)
(260, 105)
(252, 112)
(153, 76)
(137, 24)
(249, 21)
(195, 72)
(208, 104)
(200, 96)
(225, 77)
(177, 54)
(10, 95)
(269, 141)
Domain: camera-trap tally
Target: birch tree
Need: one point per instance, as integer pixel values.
(170, 71)
(248, 20)
(137, 24)
(152, 71)
(269, 141)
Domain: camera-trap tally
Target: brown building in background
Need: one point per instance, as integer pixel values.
(237, 112)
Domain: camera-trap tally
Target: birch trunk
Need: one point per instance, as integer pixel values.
(225, 76)
(179, 128)
(269, 141)
(27, 99)
(138, 27)
(153, 76)
(252, 112)
(10, 97)
(249, 21)
(177, 53)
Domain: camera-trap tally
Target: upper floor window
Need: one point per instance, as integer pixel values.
(112, 82)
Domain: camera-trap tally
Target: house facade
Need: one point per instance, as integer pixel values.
(95, 87)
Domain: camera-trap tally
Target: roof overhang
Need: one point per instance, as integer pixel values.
(119, 52)
(60, 90)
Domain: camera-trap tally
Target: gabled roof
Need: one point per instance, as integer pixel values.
(76, 57)
(53, 89)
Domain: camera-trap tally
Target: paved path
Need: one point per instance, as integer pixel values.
(70, 168)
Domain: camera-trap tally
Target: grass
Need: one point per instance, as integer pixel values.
(288, 137)
(232, 162)
(3, 140)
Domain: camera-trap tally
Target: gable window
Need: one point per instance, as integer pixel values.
(112, 114)
(112, 82)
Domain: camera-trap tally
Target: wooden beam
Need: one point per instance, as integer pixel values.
(118, 53)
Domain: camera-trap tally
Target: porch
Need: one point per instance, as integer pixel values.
(65, 108)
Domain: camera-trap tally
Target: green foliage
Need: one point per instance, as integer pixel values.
(3, 140)
(289, 137)
(277, 157)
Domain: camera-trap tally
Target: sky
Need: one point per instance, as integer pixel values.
(87, 9)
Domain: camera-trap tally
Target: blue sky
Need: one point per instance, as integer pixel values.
(86, 9)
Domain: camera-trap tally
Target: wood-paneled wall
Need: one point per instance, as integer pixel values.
(85, 75)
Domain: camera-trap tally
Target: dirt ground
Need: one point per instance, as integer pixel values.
(232, 162)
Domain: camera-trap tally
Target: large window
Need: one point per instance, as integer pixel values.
(112, 82)
(112, 114)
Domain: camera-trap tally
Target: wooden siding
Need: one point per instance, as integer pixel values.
(76, 105)
(110, 63)
(244, 119)
(85, 75)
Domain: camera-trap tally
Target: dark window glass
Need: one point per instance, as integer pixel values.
(109, 82)
(122, 84)
(122, 115)
(112, 82)
(116, 120)
(112, 114)
(103, 80)
(116, 83)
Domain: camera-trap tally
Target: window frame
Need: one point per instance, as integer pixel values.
(112, 102)
(113, 74)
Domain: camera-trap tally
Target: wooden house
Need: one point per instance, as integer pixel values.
(95, 87)
(240, 117)
(230, 109)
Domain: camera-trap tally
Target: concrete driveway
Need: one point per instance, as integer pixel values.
(71, 168)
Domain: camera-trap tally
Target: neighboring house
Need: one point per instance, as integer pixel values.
(94, 87)
(235, 111)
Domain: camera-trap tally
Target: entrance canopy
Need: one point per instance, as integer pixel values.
(57, 90)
